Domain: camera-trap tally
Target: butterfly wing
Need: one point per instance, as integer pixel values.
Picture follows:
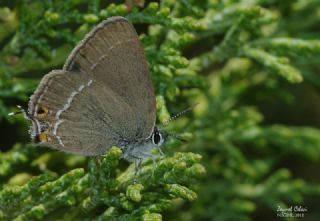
(102, 97)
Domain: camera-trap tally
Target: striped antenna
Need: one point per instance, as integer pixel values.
(177, 136)
(166, 123)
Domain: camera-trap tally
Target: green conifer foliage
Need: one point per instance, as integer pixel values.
(253, 140)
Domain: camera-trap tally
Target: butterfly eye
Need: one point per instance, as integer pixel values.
(157, 138)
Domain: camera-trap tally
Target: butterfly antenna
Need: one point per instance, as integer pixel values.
(178, 137)
(166, 123)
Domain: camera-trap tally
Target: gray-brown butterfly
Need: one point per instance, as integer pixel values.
(102, 97)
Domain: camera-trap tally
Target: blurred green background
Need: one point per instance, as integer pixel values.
(252, 65)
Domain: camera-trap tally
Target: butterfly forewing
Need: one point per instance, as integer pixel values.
(102, 97)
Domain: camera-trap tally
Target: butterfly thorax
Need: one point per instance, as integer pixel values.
(139, 150)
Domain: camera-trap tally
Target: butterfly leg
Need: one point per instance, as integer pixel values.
(152, 157)
(161, 152)
(137, 169)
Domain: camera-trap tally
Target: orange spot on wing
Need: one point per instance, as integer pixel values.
(42, 111)
(43, 137)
